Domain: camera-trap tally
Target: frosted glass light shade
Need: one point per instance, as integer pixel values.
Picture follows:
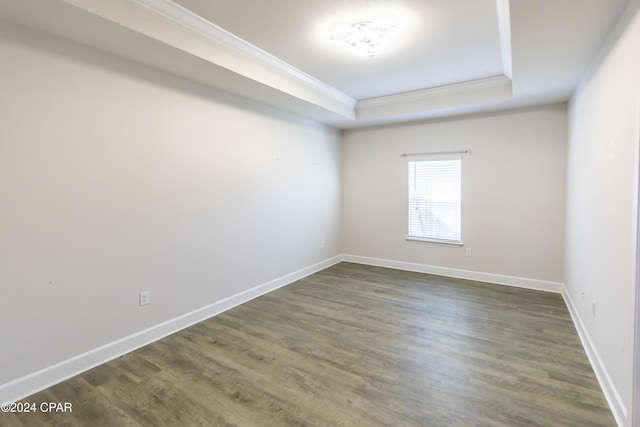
(365, 38)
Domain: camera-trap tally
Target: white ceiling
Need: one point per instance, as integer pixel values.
(438, 42)
(447, 57)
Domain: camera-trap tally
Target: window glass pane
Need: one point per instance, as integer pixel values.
(435, 199)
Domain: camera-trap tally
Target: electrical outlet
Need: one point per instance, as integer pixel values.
(145, 298)
(468, 252)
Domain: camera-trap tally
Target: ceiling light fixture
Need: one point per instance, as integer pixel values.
(365, 38)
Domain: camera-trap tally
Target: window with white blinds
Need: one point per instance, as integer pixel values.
(435, 192)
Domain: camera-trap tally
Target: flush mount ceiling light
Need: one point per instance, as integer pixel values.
(365, 38)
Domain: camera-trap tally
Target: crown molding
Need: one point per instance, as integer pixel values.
(504, 28)
(198, 49)
(467, 94)
(435, 92)
(197, 23)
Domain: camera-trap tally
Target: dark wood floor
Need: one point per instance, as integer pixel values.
(352, 345)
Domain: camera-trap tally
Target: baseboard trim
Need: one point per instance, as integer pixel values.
(609, 390)
(32, 383)
(498, 279)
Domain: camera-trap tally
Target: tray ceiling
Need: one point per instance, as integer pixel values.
(446, 57)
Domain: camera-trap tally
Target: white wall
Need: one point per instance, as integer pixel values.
(115, 178)
(601, 206)
(513, 192)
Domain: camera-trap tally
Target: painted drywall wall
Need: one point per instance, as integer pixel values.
(115, 178)
(513, 192)
(601, 205)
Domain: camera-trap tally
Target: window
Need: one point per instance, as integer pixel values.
(435, 199)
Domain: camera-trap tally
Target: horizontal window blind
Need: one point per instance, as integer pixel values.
(435, 199)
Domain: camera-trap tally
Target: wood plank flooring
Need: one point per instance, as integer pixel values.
(352, 345)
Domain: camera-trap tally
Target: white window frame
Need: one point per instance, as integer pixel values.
(438, 224)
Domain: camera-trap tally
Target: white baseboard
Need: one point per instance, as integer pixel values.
(499, 279)
(32, 383)
(609, 390)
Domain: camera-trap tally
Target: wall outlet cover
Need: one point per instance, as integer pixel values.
(145, 298)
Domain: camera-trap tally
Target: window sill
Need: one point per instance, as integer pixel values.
(435, 241)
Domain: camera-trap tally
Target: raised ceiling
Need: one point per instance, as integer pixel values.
(437, 42)
(448, 57)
